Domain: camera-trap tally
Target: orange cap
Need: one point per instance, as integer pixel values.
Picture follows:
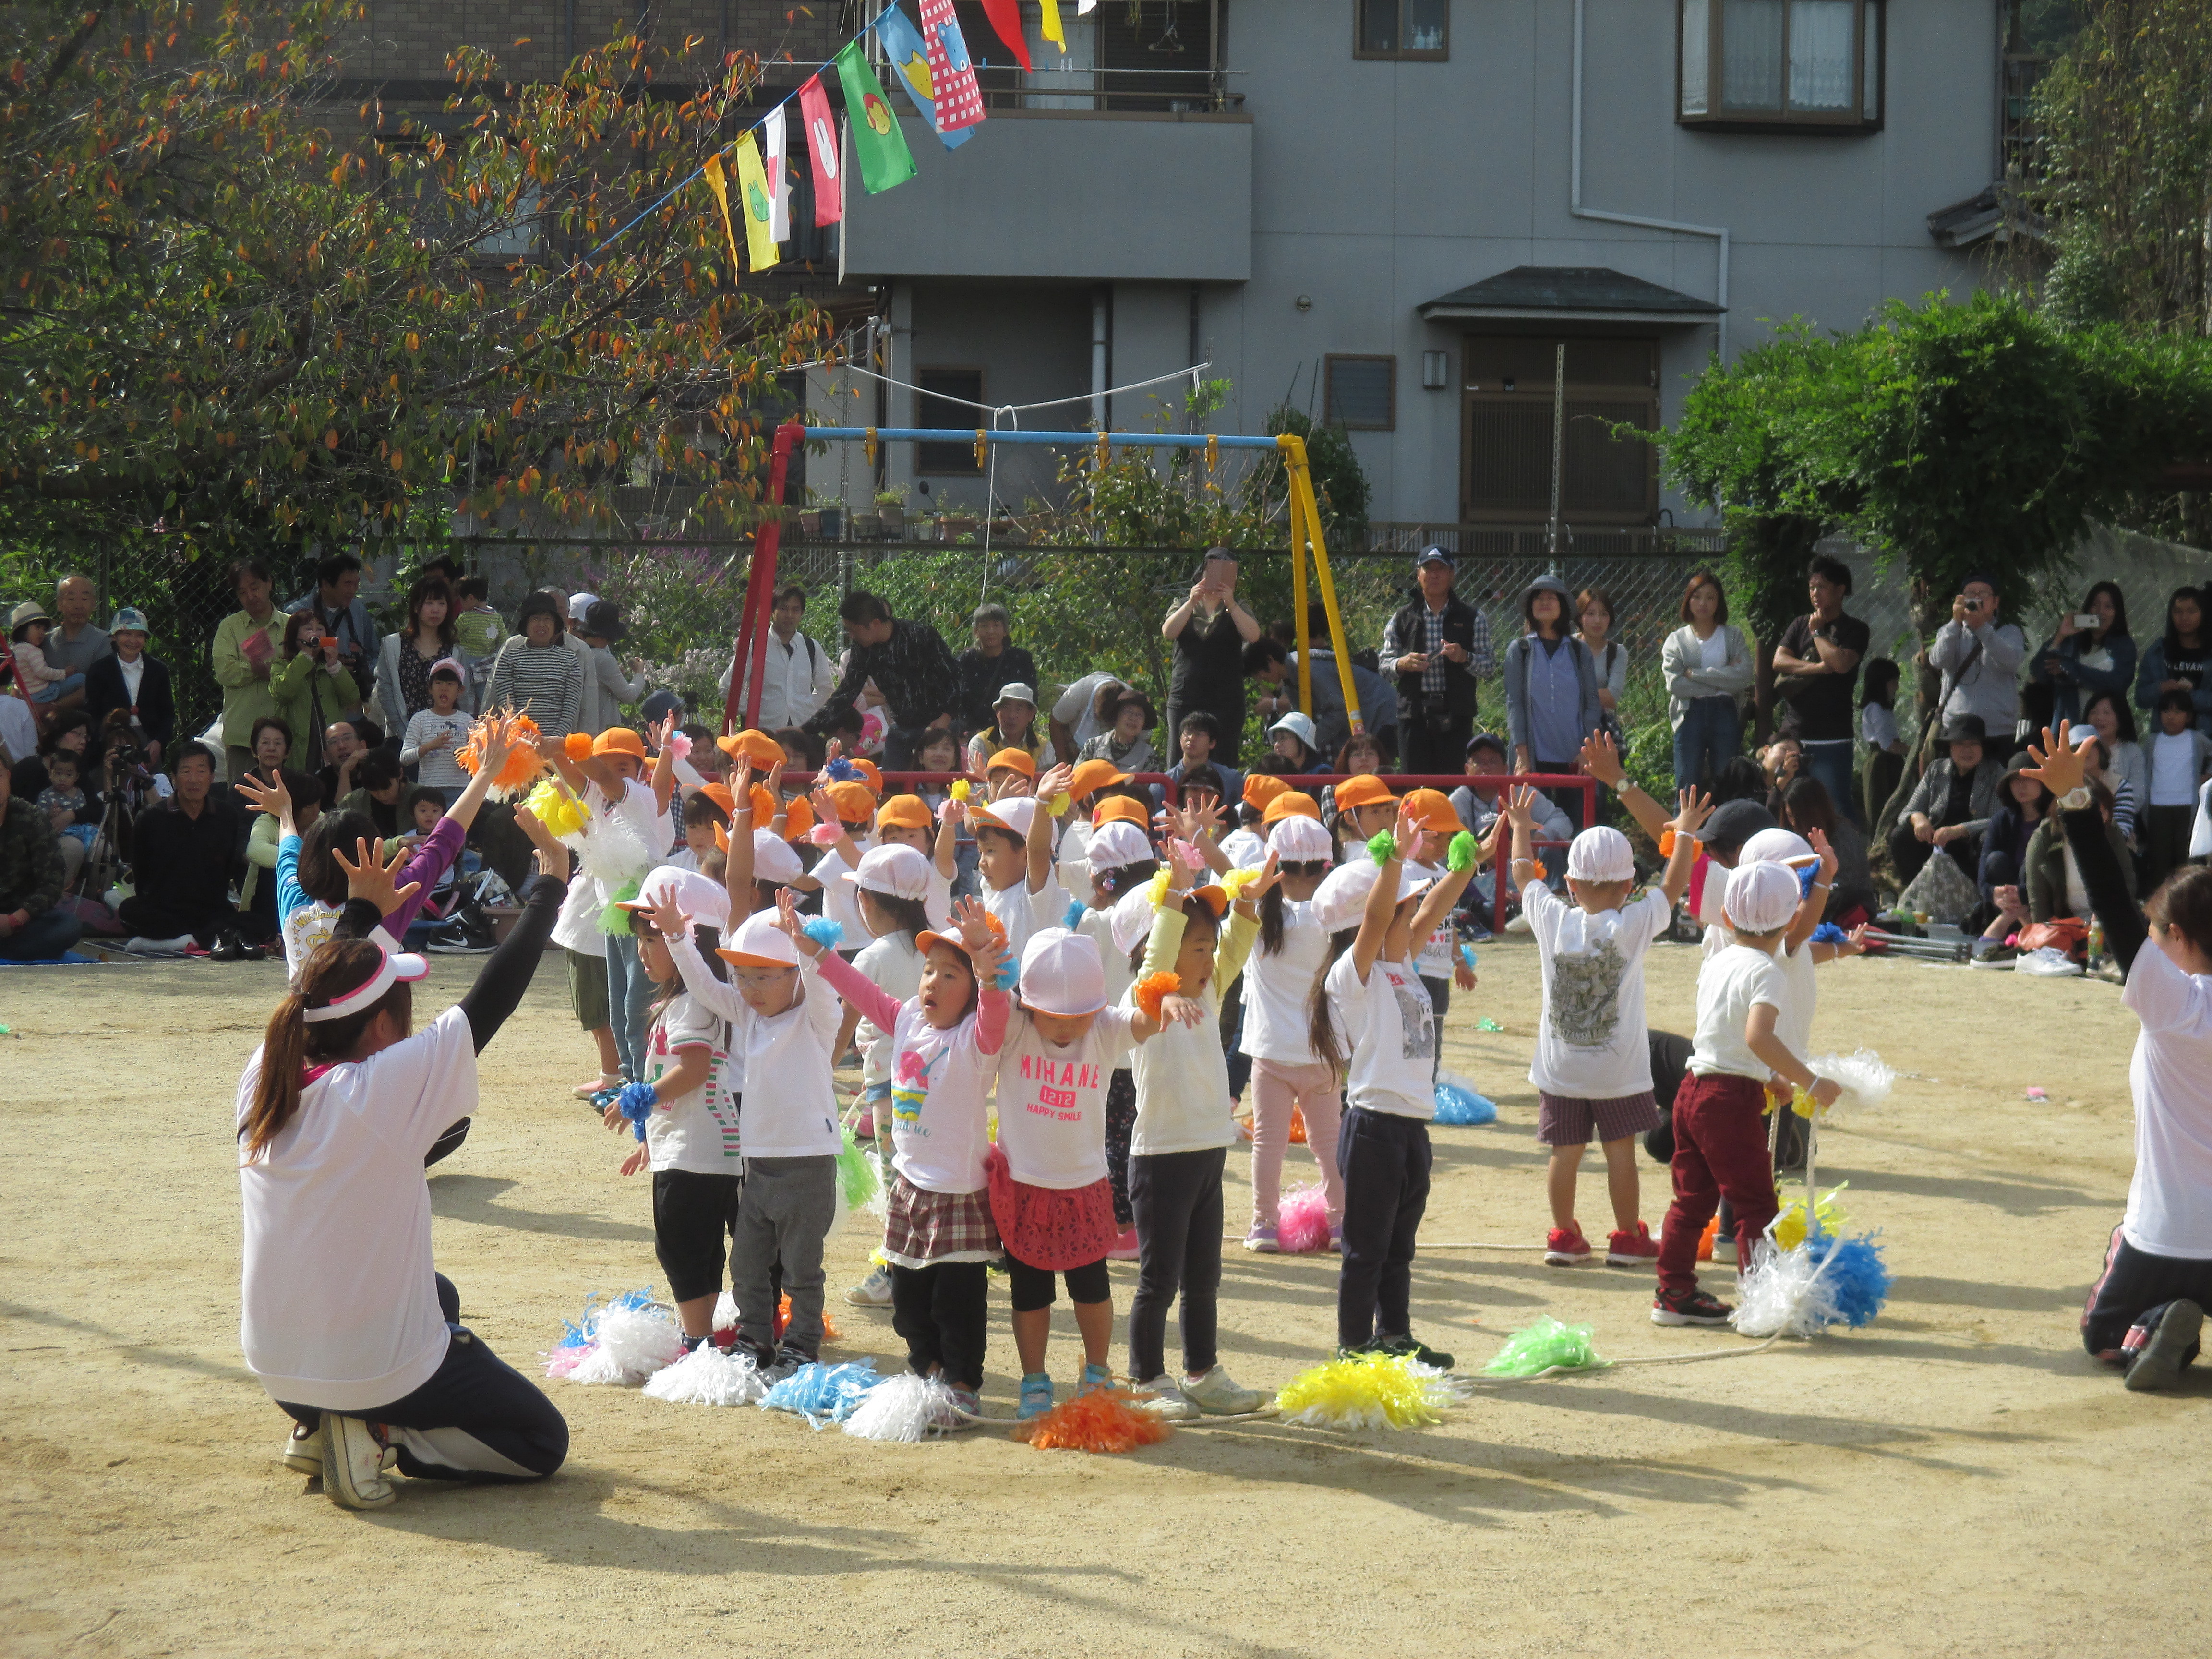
(924, 940)
(1366, 790)
(1018, 759)
(758, 747)
(1432, 809)
(1262, 787)
(1120, 809)
(720, 794)
(1290, 804)
(853, 801)
(1094, 774)
(620, 740)
(904, 812)
(871, 775)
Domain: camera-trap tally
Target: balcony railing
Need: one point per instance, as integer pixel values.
(1135, 91)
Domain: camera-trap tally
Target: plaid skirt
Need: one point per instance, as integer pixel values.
(923, 1228)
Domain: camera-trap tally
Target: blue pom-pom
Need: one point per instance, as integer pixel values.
(1077, 909)
(1010, 972)
(822, 1394)
(577, 1333)
(637, 1101)
(1466, 955)
(1805, 872)
(826, 931)
(1457, 1103)
(842, 770)
(1856, 1278)
(1828, 933)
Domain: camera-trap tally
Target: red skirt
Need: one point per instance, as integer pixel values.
(1050, 1228)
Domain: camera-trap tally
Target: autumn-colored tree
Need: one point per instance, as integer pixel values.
(236, 308)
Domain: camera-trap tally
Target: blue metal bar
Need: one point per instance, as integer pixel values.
(931, 434)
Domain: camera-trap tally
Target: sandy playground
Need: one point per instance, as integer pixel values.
(1956, 1478)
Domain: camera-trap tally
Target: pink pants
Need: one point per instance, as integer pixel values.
(1316, 1092)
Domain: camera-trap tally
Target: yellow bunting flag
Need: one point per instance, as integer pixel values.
(759, 205)
(1053, 31)
(719, 182)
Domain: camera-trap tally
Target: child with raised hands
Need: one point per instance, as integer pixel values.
(1013, 843)
(1720, 1139)
(1117, 867)
(938, 1233)
(781, 1023)
(844, 817)
(1050, 1194)
(681, 1111)
(1592, 1066)
(1184, 1129)
(1371, 1020)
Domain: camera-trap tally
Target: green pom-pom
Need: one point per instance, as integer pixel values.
(1460, 856)
(857, 1181)
(1543, 1347)
(614, 921)
(1383, 847)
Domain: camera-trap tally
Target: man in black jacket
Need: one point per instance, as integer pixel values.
(1439, 647)
(911, 666)
(128, 678)
(186, 849)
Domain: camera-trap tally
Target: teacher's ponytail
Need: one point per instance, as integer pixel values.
(291, 1045)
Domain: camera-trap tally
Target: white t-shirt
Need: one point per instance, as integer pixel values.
(1801, 994)
(305, 931)
(1072, 859)
(697, 1132)
(2173, 769)
(682, 859)
(794, 1116)
(1388, 1027)
(1712, 652)
(891, 962)
(1878, 726)
(1591, 1043)
(1052, 1099)
(1733, 980)
(940, 1079)
(1115, 931)
(1434, 959)
(1181, 1075)
(2170, 1199)
(1021, 912)
(1278, 991)
(1075, 711)
(577, 927)
(636, 810)
(339, 1305)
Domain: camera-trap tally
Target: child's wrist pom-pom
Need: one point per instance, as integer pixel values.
(1237, 883)
(1076, 911)
(1667, 842)
(637, 1101)
(577, 746)
(826, 834)
(826, 931)
(961, 789)
(1383, 847)
(1460, 856)
(1156, 889)
(1154, 989)
(1059, 803)
(679, 746)
(841, 770)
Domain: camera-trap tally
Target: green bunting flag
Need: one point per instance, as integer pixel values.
(878, 143)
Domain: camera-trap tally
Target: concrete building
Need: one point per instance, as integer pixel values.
(1392, 212)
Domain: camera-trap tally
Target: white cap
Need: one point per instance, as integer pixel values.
(1117, 843)
(1015, 691)
(1130, 918)
(1300, 726)
(1300, 840)
(701, 899)
(774, 861)
(1777, 847)
(579, 603)
(758, 936)
(899, 872)
(1601, 853)
(1017, 812)
(1062, 972)
(1761, 897)
(1341, 899)
(395, 966)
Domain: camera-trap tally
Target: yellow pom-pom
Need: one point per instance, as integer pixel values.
(1236, 882)
(961, 789)
(1156, 889)
(1374, 1391)
(561, 812)
(1059, 804)
(1789, 1225)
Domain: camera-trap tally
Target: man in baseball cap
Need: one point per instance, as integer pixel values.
(1438, 645)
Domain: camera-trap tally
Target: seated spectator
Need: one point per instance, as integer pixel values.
(1013, 725)
(343, 751)
(71, 810)
(1476, 801)
(376, 795)
(1199, 738)
(310, 686)
(2180, 756)
(71, 730)
(271, 745)
(2127, 804)
(1741, 778)
(130, 680)
(34, 923)
(2079, 659)
(1806, 806)
(1360, 754)
(257, 894)
(1298, 743)
(2023, 806)
(1780, 762)
(184, 850)
(48, 688)
(1951, 806)
(2054, 877)
(1127, 714)
(2121, 763)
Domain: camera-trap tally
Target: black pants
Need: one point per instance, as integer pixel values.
(446, 1144)
(2164, 833)
(1438, 746)
(1035, 1287)
(695, 1215)
(477, 1419)
(1384, 1160)
(148, 916)
(1908, 853)
(1178, 1199)
(1232, 1040)
(2132, 1291)
(943, 1312)
(1121, 1124)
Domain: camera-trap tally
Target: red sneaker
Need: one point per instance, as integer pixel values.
(1565, 1246)
(1631, 1249)
(1125, 1247)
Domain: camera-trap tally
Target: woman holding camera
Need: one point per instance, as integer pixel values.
(2090, 651)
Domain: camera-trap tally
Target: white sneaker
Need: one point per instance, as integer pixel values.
(353, 1464)
(1169, 1400)
(1217, 1394)
(157, 947)
(1517, 923)
(874, 1291)
(303, 1449)
(1724, 1251)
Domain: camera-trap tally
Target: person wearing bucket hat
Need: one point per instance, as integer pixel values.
(1951, 807)
(1439, 647)
(1297, 741)
(1127, 718)
(1552, 686)
(1012, 725)
(53, 688)
(1720, 1140)
(132, 678)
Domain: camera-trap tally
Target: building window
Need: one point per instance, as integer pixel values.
(1403, 29)
(1764, 65)
(1361, 393)
(1506, 430)
(941, 388)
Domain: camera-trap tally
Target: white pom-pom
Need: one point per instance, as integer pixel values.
(879, 1201)
(725, 1312)
(628, 1345)
(611, 853)
(904, 1408)
(1773, 1294)
(1865, 1078)
(707, 1377)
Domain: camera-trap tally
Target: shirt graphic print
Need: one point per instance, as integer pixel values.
(1416, 1017)
(1585, 999)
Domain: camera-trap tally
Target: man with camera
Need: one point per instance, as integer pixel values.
(1979, 658)
(337, 605)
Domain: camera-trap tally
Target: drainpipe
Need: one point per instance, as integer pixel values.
(1100, 299)
(1575, 207)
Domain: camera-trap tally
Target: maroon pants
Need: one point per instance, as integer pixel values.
(1720, 1151)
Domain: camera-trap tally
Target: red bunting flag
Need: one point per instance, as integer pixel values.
(822, 146)
(1005, 17)
(959, 104)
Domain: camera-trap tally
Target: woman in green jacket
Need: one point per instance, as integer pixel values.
(310, 687)
(244, 657)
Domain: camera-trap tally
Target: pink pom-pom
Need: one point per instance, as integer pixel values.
(679, 746)
(826, 834)
(1302, 1227)
(1191, 857)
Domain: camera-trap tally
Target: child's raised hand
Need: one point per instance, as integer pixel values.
(1270, 873)
(369, 878)
(973, 922)
(788, 922)
(2060, 767)
(986, 959)
(665, 730)
(1203, 818)
(669, 922)
(498, 743)
(1820, 840)
(741, 783)
(1600, 759)
(1179, 871)
(1521, 807)
(1176, 1009)
(271, 796)
(1692, 809)
(1054, 784)
(1854, 943)
(1407, 832)
(773, 778)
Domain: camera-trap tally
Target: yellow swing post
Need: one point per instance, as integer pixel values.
(1305, 528)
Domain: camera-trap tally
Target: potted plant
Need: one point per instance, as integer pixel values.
(810, 524)
(890, 507)
(867, 526)
(957, 524)
(832, 523)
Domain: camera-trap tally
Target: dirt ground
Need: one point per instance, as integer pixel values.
(1957, 1477)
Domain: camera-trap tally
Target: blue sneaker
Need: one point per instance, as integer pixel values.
(1037, 1397)
(1096, 1377)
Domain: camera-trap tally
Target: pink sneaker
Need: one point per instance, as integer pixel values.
(1631, 1249)
(1125, 1247)
(1565, 1246)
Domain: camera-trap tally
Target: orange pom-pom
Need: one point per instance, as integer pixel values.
(1154, 989)
(1538, 864)
(1667, 843)
(1705, 1239)
(1297, 1127)
(577, 746)
(522, 765)
(782, 1321)
(1102, 1420)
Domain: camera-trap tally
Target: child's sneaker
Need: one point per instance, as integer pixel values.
(1565, 1246)
(1168, 1400)
(1631, 1250)
(965, 1409)
(1217, 1395)
(1096, 1377)
(1263, 1241)
(2158, 1363)
(597, 1086)
(1037, 1397)
(1724, 1249)
(1410, 1347)
(1125, 1247)
(875, 1291)
(1689, 1308)
(303, 1449)
(1335, 1239)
